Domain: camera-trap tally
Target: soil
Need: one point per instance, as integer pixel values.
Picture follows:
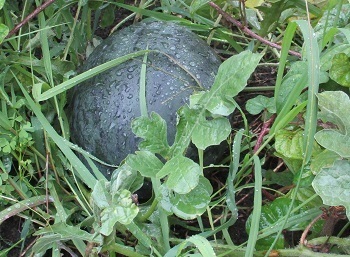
(10, 234)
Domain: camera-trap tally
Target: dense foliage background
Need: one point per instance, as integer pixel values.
(279, 106)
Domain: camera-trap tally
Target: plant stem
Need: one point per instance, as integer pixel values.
(163, 217)
(248, 31)
(264, 130)
(29, 17)
(255, 89)
(121, 249)
(70, 41)
(143, 218)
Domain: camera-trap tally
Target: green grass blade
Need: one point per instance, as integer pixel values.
(47, 63)
(283, 121)
(61, 215)
(23, 205)
(229, 39)
(94, 168)
(45, 48)
(87, 74)
(254, 229)
(87, 154)
(230, 197)
(142, 91)
(139, 234)
(313, 61)
(78, 166)
(290, 102)
(287, 41)
(226, 225)
(80, 245)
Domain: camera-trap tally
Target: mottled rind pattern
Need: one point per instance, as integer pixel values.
(103, 107)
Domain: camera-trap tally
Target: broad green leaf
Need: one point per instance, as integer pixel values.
(305, 176)
(335, 108)
(284, 178)
(121, 209)
(253, 3)
(183, 133)
(260, 103)
(340, 69)
(153, 130)
(195, 123)
(327, 56)
(101, 195)
(145, 162)
(191, 205)
(221, 105)
(195, 98)
(164, 199)
(211, 132)
(125, 177)
(231, 79)
(108, 16)
(2, 2)
(183, 174)
(289, 143)
(334, 141)
(333, 185)
(324, 159)
(3, 142)
(62, 232)
(4, 30)
(69, 232)
(7, 149)
(305, 194)
(204, 132)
